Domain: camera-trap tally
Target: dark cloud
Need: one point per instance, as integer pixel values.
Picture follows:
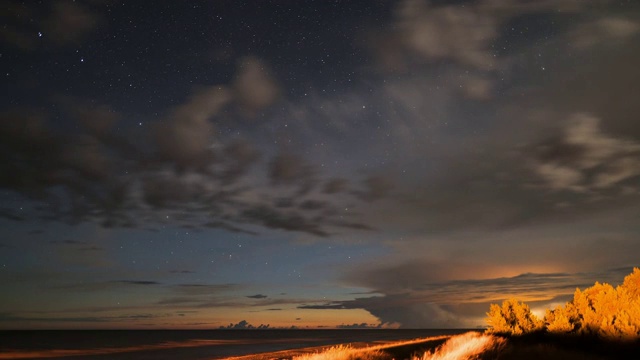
(180, 168)
(69, 242)
(289, 169)
(91, 248)
(337, 185)
(204, 289)
(106, 285)
(17, 318)
(138, 282)
(257, 296)
(70, 22)
(185, 137)
(409, 312)
(59, 22)
(432, 32)
(244, 325)
(255, 88)
(376, 187)
(274, 219)
(83, 246)
(584, 159)
(359, 326)
(607, 29)
(240, 155)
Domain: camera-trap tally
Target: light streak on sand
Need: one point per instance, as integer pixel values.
(320, 352)
(465, 346)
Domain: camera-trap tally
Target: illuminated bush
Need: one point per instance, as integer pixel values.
(631, 284)
(513, 318)
(560, 320)
(602, 310)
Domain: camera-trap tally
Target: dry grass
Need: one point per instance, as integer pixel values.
(460, 347)
(465, 347)
(345, 352)
(348, 352)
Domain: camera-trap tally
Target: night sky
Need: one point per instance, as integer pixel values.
(194, 164)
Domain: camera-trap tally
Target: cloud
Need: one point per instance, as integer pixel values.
(204, 289)
(69, 242)
(289, 169)
(257, 296)
(411, 313)
(377, 187)
(244, 325)
(138, 282)
(98, 119)
(461, 34)
(583, 158)
(83, 246)
(603, 30)
(70, 22)
(182, 272)
(106, 285)
(359, 326)
(17, 318)
(61, 23)
(285, 220)
(336, 185)
(238, 155)
(186, 136)
(254, 87)
(477, 88)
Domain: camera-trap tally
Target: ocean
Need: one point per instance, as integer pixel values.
(185, 344)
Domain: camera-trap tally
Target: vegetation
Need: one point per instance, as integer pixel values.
(602, 310)
(513, 318)
(459, 347)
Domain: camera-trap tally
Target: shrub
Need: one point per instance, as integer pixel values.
(559, 320)
(512, 318)
(603, 310)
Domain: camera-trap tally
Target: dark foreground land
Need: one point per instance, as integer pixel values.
(566, 347)
(475, 346)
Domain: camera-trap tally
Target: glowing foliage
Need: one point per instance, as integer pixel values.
(602, 310)
(513, 318)
(631, 283)
(559, 320)
(343, 352)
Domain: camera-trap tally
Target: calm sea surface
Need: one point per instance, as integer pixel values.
(183, 344)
